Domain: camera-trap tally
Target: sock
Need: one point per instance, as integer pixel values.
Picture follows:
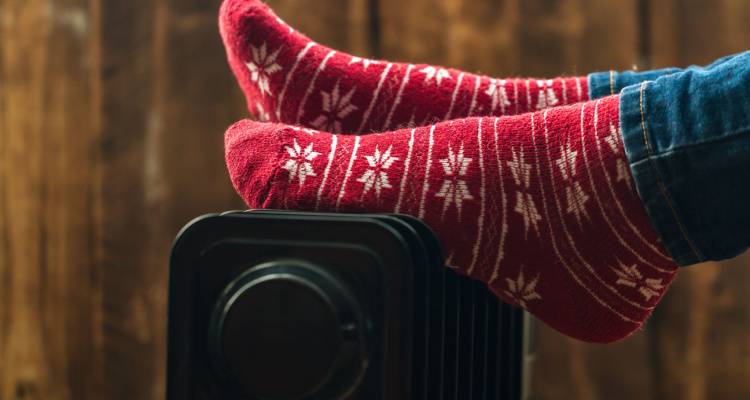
(539, 206)
(288, 78)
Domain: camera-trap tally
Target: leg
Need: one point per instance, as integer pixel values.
(286, 77)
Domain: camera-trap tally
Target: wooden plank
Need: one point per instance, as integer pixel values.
(576, 37)
(132, 314)
(49, 287)
(695, 32)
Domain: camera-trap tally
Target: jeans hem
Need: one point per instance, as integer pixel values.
(601, 84)
(649, 180)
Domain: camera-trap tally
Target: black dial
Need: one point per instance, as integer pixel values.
(288, 330)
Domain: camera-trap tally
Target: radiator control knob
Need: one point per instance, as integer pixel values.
(288, 330)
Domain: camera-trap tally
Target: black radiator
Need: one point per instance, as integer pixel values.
(281, 305)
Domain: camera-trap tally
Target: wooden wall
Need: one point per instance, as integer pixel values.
(111, 122)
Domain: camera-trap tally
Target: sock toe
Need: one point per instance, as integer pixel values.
(240, 23)
(239, 16)
(252, 152)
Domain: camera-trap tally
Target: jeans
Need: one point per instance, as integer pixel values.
(687, 138)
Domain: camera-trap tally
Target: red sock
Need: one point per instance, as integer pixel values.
(540, 206)
(288, 78)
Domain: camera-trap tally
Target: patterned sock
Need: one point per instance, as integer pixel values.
(286, 77)
(539, 206)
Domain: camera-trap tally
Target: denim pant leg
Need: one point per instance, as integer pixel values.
(687, 139)
(607, 83)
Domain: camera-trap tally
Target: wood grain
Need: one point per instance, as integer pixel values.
(695, 32)
(512, 37)
(49, 286)
(471, 35)
(103, 159)
(343, 25)
(111, 122)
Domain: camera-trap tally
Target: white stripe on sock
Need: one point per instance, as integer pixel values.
(348, 172)
(334, 140)
(480, 220)
(398, 97)
(374, 97)
(309, 90)
(453, 98)
(528, 96)
(503, 97)
(474, 97)
(426, 183)
(503, 206)
(407, 163)
(289, 77)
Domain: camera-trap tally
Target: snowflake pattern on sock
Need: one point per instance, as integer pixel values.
(454, 190)
(377, 175)
(522, 291)
(299, 163)
(335, 108)
(261, 66)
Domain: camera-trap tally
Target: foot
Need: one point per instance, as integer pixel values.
(288, 78)
(540, 206)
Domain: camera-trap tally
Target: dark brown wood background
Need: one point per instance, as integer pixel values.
(111, 122)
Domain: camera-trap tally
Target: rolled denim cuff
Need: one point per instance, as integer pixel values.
(649, 179)
(602, 84)
(687, 140)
